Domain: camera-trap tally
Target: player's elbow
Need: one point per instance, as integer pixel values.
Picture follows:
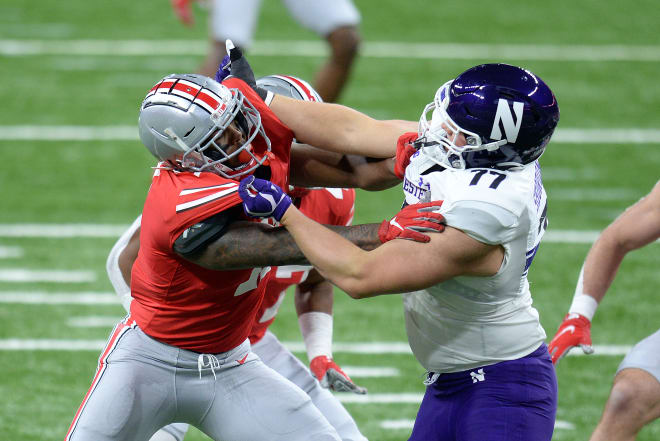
(618, 241)
(357, 289)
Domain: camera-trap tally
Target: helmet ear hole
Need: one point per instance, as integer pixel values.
(189, 132)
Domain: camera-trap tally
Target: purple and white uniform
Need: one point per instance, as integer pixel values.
(480, 339)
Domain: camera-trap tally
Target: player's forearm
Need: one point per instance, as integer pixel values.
(337, 128)
(373, 175)
(308, 169)
(600, 267)
(336, 259)
(638, 226)
(250, 245)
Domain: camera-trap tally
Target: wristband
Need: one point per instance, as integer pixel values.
(583, 303)
(316, 330)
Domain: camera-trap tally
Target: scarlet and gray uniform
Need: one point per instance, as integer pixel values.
(183, 354)
(332, 206)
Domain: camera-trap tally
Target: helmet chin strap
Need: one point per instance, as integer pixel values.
(491, 146)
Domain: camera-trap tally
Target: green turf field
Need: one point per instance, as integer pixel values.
(72, 65)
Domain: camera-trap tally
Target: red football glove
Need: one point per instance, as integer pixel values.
(411, 221)
(183, 11)
(332, 377)
(574, 331)
(404, 150)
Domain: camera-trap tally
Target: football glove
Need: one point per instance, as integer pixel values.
(574, 331)
(412, 221)
(183, 11)
(262, 198)
(404, 150)
(240, 68)
(223, 69)
(332, 377)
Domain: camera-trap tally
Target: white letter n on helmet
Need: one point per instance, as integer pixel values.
(503, 114)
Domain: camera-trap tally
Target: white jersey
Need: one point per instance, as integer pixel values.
(467, 322)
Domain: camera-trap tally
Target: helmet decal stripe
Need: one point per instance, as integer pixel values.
(301, 87)
(208, 100)
(185, 89)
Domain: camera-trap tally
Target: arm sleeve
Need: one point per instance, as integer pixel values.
(195, 238)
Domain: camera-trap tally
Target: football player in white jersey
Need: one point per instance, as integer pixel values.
(468, 308)
(635, 397)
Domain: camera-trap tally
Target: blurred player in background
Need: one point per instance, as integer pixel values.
(336, 21)
(635, 397)
(468, 307)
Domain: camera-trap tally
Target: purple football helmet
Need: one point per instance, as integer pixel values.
(505, 113)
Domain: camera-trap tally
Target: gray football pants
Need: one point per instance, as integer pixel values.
(142, 385)
(644, 355)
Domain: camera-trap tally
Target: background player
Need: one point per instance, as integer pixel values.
(469, 315)
(336, 21)
(635, 397)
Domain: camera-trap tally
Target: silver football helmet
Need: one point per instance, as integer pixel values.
(290, 86)
(183, 117)
(298, 89)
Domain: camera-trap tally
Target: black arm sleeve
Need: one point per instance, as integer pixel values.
(197, 237)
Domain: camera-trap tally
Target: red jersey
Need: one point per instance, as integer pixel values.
(176, 301)
(331, 206)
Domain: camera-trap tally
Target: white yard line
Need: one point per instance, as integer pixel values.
(63, 231)
(400, 398)
(387, 348)
(628, 136)
(94, 321)
(10, 252)
(593, 194)
(21, 275)
(370, 371)
(315, 48)
(54, 298)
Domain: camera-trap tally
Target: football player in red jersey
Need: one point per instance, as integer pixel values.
(183, 353)
(314, 298)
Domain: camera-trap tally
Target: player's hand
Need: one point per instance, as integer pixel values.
(574, 331)
(412, 221)
(262, 198)
(240, 68)
(404, 150)
(223, 70)
(332, 377)
(183, 11)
